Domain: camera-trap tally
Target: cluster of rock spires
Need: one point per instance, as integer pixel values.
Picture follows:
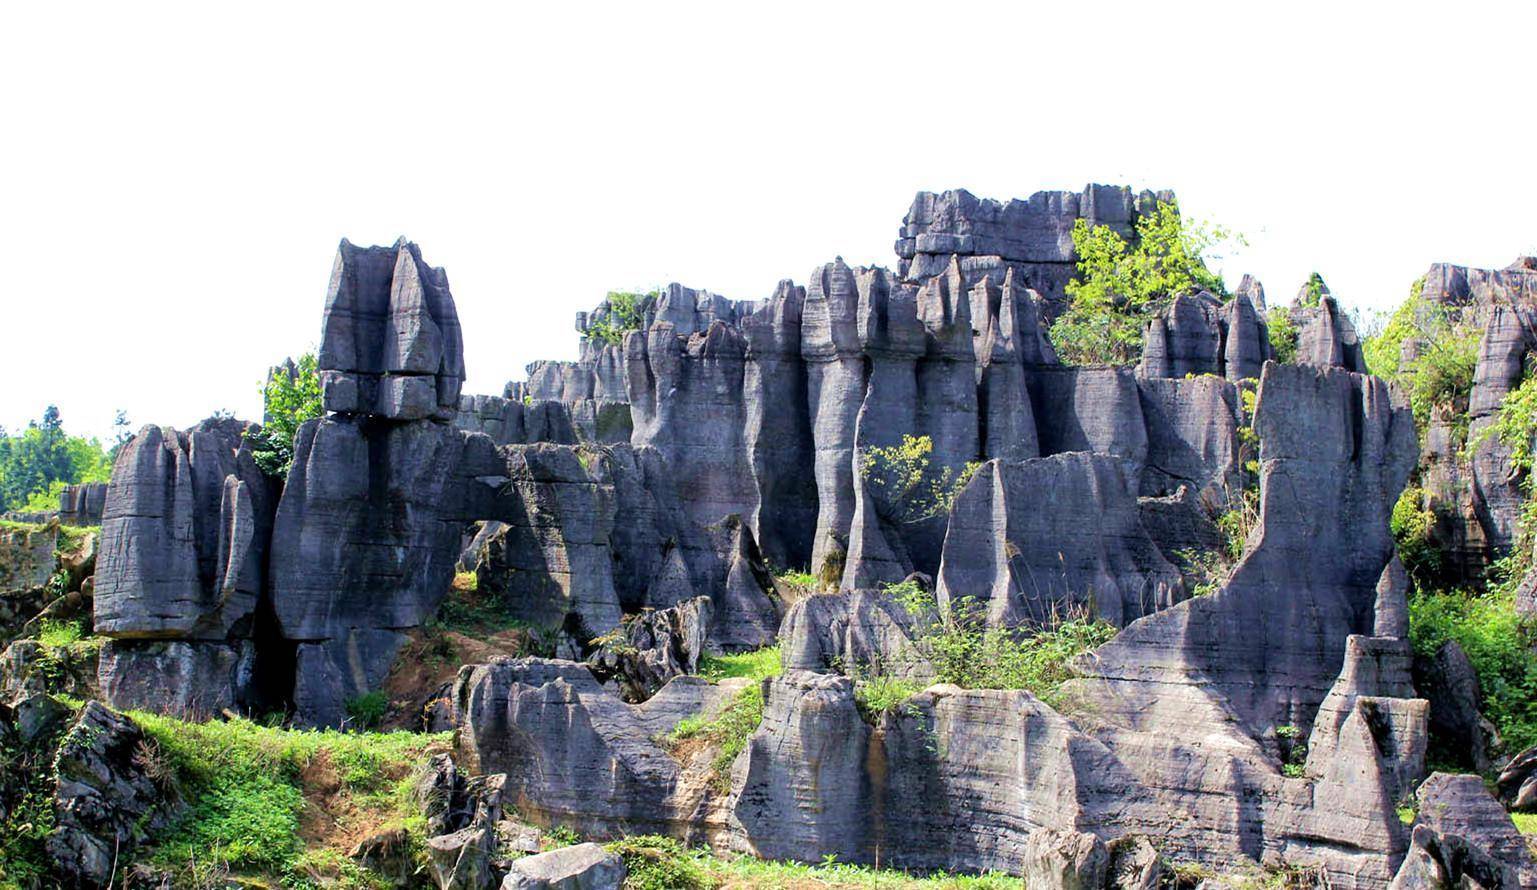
(639, 496)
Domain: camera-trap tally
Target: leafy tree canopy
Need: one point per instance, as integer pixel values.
(290, 396)
(38, 462)
(1121, 284)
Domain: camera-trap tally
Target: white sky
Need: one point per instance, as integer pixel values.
(173, 182)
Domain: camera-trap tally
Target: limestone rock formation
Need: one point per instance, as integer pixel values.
(1459, 807)
(580, 867)
(390, 343)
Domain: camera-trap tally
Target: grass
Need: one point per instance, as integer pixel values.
(802, 580)
(728, 731)
(1526, 823)
(658, 863)
(467, 610)
(264, 801)
(754, 665)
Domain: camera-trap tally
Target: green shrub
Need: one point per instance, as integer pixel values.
(287, 402)
(909, 486)
(368, 709)
(660, 863)
(1497, 641)
(966, 651)
(1313, 291)
(1283, 335)
(625, 311)
(1121, 285)
(882, 694)
(1383, 352)
(58, 634)
(1412, 525)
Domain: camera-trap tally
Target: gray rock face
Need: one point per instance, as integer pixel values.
(105, 803)
(26, 557)
(579, 867)
(1197, 334)
(551, 557)
(862, 630)
(965, 777)
(577, 755)
(1451, 684)
(184, 536)
(194, 679)
(653, 647)
(1031, 237)
(1458, 806)
(1517, 784)
(390, 343)
(82, 504)
(1088, 551)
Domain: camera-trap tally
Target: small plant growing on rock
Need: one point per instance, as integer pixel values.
(625, 312)
(290, 397)
(910, 487)
(368, 709)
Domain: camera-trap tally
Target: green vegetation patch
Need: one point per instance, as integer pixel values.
(287, 402)
(911, 487)
(728, 731)
(1121, 284)
(247, 789)
(1497, 641)
(754, 665)
(621, 312)
(659, 863)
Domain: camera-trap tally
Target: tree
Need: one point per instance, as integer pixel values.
(290, 396)
(1121, 284)
(37, 464)
(908, 485)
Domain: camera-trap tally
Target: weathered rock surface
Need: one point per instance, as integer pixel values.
(1459, 806)
(83, 504)
(580, 867)
(650, 649)
(26, 556)
(1449, 681)
(1085, 551)
(185, 534)
(105, 802)
(390, 342)
(575, 754)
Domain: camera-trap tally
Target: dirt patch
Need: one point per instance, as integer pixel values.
(431, 658)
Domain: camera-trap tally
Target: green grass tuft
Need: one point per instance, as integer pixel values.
(754, 665)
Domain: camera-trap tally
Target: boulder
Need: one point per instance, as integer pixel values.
(579, 867)
(106, 802)
(651, 648)
(1460, 806)
(1449, 681)
(26, 556)
(1065, 861)
(1517, 785)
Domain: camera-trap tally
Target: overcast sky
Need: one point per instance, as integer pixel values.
(173, 183)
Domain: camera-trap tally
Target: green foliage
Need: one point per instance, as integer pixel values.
(367, 710)
(728, 731)
(1497, 641)
(882, 694)
(1383, 352)
(58, 634)
(1121, 285)
(244, 786)
(966, 651)
(36, 464)
(799, 580)
(1412, 525)
(625, 312)
(660, 863)
(1313, 291)
(1526, 823)
(1283, 335)
(287, 402)
(1440, 376)
(910, 487)
(1516, 426)
(757, 664)
(28, 816)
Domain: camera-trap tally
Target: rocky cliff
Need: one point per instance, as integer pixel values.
(717, 441)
